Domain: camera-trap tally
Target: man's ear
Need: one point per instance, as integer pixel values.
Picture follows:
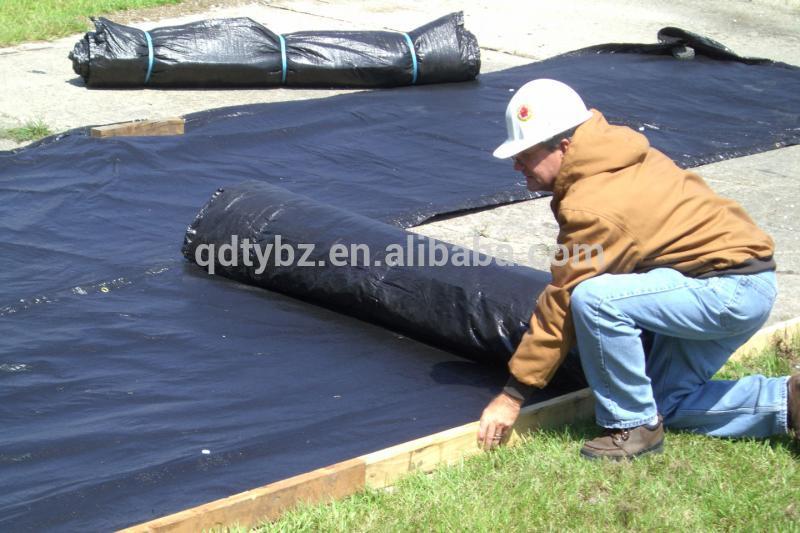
(564, 145)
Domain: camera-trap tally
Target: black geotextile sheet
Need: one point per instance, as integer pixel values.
(240, 52)
(122, 362)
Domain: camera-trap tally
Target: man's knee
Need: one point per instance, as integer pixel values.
(587, 295)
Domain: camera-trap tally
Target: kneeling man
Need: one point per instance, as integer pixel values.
(643, 245)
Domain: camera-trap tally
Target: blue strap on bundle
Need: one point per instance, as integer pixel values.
(283, 58)
(150, 57)
(413, 57)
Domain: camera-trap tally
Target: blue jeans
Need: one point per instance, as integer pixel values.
(697, 325)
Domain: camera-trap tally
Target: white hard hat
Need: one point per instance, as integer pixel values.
(540, 110)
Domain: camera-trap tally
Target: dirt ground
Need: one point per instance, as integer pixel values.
(39, 84)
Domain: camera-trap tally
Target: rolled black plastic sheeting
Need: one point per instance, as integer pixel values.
(455, 299)
(240, 52)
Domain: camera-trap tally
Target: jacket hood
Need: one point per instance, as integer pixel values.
(598, 147)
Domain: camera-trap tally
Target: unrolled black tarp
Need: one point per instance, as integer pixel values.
(121, 361)
(240, 52)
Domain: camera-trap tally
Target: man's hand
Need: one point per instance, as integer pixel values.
(497, 419)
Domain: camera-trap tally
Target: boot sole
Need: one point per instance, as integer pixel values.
(658, 448)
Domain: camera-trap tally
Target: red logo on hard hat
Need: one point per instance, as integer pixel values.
(524, 113)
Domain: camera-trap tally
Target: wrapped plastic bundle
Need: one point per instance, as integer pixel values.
(437, 293)
(240, 52)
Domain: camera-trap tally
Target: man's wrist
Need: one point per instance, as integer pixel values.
(512, 399)
(517, 390)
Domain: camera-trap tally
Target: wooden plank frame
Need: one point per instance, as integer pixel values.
(141, 128)
(386, 466)
(376, 470)
(254, 506)
(782, 332)
(383, 468)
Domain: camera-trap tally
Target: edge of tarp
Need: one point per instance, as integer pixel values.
(385, 467)
(674, 41)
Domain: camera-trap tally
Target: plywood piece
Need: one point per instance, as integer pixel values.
(255, 506)
(141, 128)
(575, 407)
(386, 466)
(769, 337)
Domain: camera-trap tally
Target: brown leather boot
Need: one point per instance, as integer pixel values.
(619, 444)
(793, 402)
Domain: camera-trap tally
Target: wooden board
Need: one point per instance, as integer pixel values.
(255, 506)
(378, 469)
(769, 337)
(141, 128)
(385, 467)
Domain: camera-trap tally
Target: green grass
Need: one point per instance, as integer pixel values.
(699, 483)
(33, 20)
(30, 131)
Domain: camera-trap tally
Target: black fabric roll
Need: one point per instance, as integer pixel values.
(479, 310)
(240, 52)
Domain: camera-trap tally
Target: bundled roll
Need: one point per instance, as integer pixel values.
(240, 52)
(438, 293)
